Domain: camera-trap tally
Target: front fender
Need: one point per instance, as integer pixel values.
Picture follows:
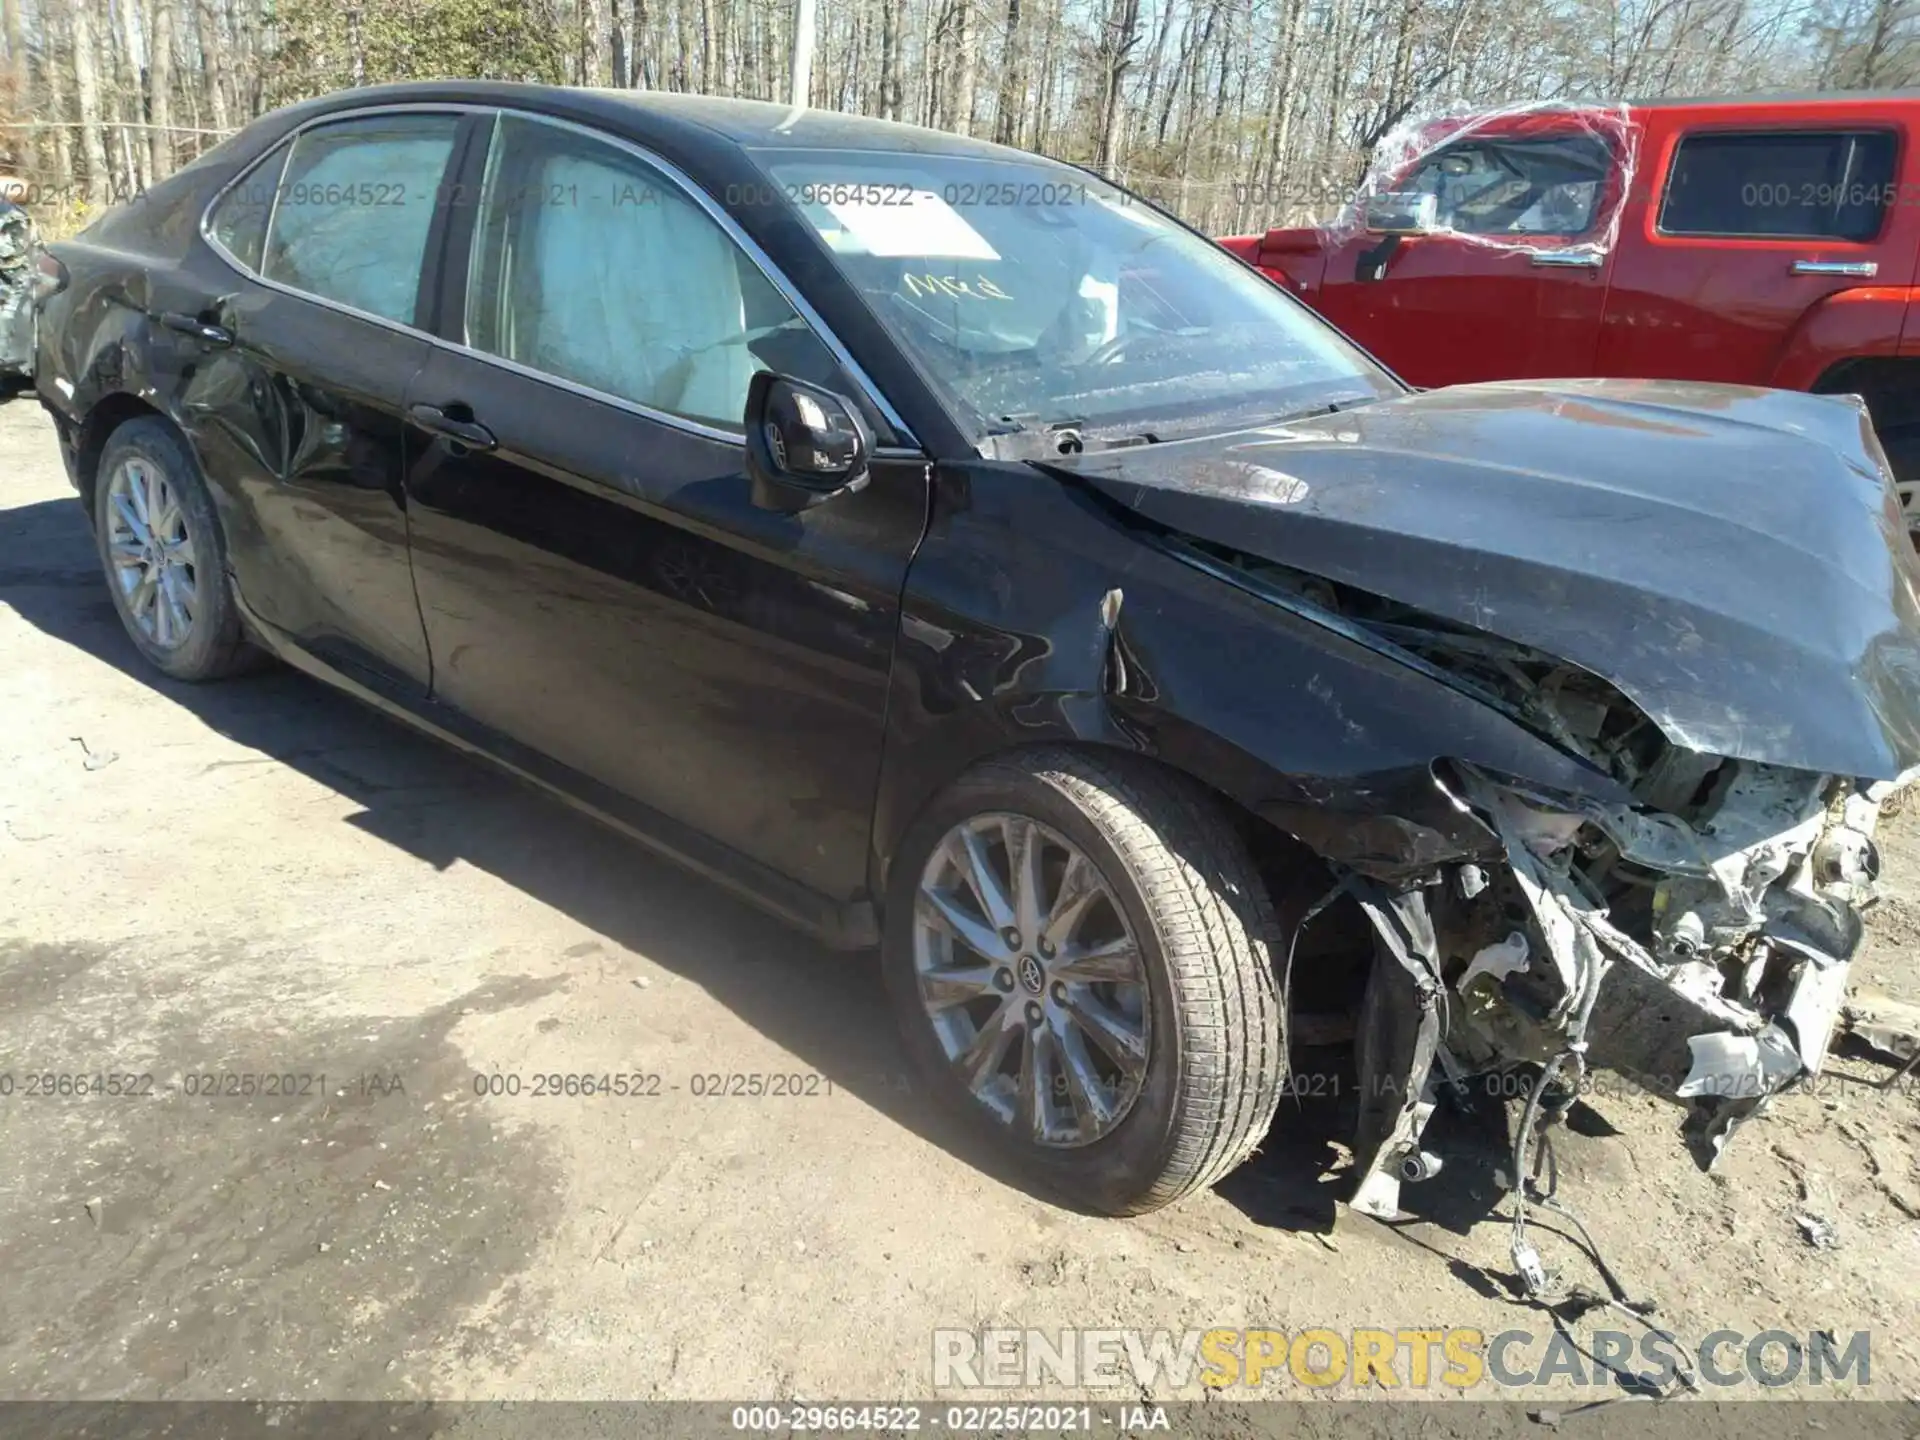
(1035, 614)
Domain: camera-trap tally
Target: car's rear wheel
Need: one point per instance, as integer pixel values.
(1080, 957)
(163, 554)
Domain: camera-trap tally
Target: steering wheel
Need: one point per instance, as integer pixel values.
(1107, 351)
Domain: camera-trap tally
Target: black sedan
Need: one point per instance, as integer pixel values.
(954, 553)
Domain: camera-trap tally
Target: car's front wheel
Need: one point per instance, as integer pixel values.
(1080, 956)
(164, 557)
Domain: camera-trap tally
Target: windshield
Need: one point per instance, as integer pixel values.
(1033, 295)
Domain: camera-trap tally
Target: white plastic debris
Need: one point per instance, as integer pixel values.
(1498, 960)
(1727, 1066)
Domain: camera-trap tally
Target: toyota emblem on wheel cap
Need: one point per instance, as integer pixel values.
(1031, 975)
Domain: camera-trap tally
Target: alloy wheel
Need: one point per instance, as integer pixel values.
(152, 552)
(1032, 979)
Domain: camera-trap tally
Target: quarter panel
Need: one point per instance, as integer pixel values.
(1852, 324)
(295, 422)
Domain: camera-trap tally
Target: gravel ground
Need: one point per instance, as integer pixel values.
(261, 878)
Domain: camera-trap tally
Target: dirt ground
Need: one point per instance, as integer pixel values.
(261, 878)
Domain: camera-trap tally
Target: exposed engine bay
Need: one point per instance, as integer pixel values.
(1696, 941)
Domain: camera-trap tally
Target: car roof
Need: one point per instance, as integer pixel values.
(1849, 99)
(1853, 99)
(646, 114)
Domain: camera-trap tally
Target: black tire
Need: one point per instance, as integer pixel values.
(1902, 447)
(1207, 934)
(215, 647)
(1888, 386)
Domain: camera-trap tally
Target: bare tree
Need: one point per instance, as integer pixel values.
(891, 20)
(160, 90)
(593, 32)
(1120, 34)
(1873, 59)
(617, 44)
(130, 98)
(207, 33)
(86, 86)
(1239, 113)
(15, 35)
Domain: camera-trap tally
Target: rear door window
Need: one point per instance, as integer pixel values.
(353, 208)
(1822, 185)
(239, 222)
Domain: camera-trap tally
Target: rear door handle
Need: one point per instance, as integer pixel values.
(470, 433)
(199, 329)
(1866, 269)
(1570, 259)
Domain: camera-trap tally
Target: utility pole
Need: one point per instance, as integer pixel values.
(803, 16)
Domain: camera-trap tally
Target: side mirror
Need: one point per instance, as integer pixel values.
(1400, 213)
(804, 444)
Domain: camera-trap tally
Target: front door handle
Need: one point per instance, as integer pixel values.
(206, 334)
(1865, 269)
(457, 428)
(1570, 259)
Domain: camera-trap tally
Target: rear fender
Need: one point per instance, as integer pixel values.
(1852, 324)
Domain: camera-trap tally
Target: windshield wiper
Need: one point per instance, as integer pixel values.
(1325, 407)
(1020, 437)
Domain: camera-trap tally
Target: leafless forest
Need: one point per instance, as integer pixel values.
(1236, 113)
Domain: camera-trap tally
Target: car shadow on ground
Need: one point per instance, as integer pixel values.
(826, 1008)
(1305, 1168)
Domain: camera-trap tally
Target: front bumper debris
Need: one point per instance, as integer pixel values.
(16, 291)
(1705, 958)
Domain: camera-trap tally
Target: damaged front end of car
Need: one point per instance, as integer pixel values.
(16, 290)
(1701, 950)
(1698, 603)
(1697, 943)
(1694, 937)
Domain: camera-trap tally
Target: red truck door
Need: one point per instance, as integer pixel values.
(1511, 285)
(1744, 224)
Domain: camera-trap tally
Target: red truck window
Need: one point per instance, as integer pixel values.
(1495, 186)
(1806, 186)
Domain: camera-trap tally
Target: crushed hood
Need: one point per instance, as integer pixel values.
(1733, 561)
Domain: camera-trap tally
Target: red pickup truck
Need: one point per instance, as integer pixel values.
(1757, 242)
